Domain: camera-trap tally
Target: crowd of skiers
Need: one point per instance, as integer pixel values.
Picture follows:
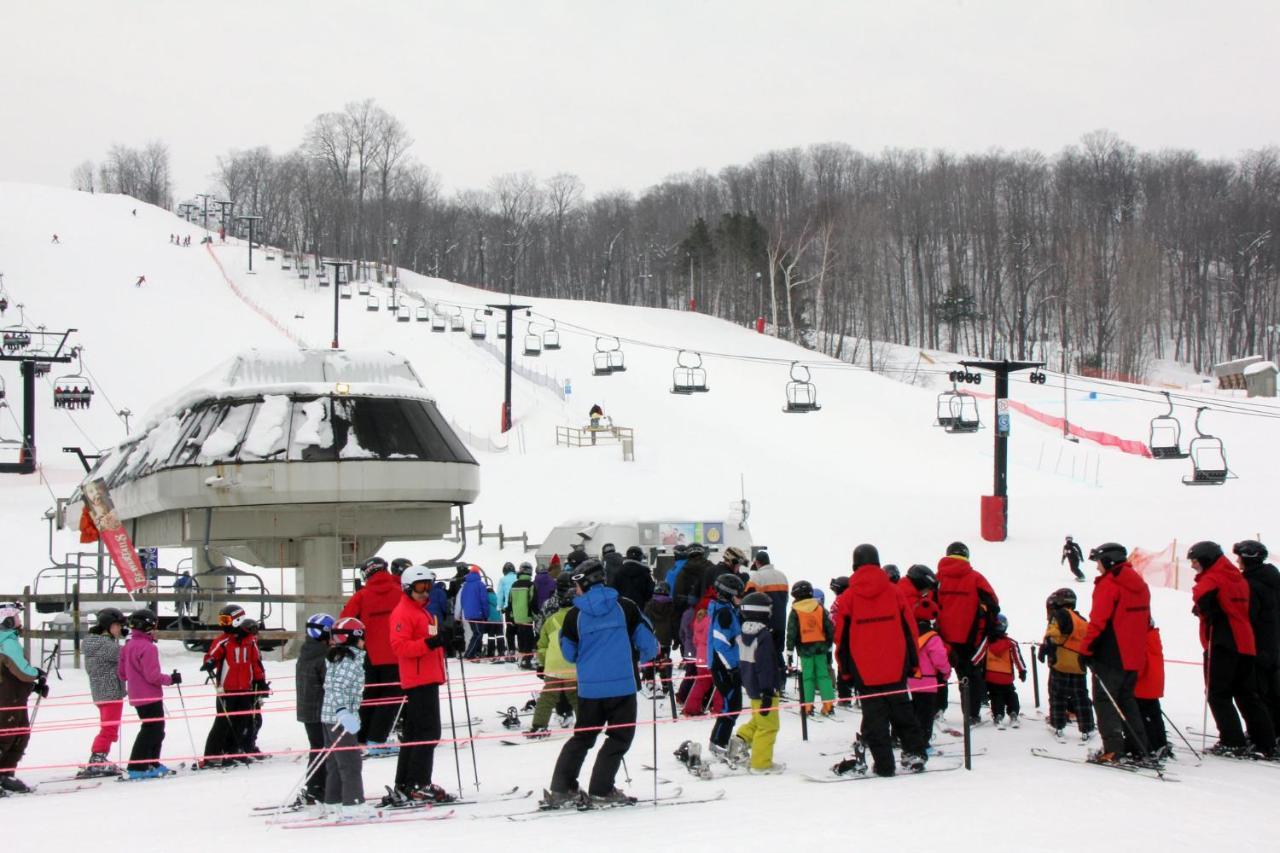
(597, 630)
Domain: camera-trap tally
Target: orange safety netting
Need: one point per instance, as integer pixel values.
(1162, 568)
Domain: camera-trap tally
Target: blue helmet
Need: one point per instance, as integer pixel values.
(318, 625)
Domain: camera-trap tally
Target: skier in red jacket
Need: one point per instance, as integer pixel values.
(235, 663)
(876, 637)
(1221, 596)
(418, 641)
(969, 606)
(372, 604)
(1115, 648)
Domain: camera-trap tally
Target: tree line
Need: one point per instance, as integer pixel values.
(1100, 254)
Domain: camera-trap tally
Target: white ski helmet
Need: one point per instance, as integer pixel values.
(416, 574)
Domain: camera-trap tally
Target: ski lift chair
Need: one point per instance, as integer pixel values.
(73, 390)
(1208, 462)
(688, 377)
(421, 314)
(322, 277)
(393, 303)
(344, 291)
(438, 324)
(456, 323)
(40, 368)
(502, 330)
(2, 391)
(945, 416)
(403, 315)
(964, 414)
(285, 263)
(600, 364)
(16, 338)
(363, 288)
(479, 329)
(551, 337)
(802, 396)
(304, 271)
(372, 303)
(532, 343)
(1166, 435)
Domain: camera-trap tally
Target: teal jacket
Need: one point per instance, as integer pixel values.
(11, 647)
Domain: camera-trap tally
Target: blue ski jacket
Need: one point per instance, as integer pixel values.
(606, 635)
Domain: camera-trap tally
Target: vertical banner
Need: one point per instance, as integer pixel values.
(114, 537)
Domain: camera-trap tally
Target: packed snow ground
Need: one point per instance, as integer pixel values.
(868, 467)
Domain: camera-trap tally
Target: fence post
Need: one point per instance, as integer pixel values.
(26, 622)
(1035, 674)
(75, 624)
(964, 712)
(502, 539)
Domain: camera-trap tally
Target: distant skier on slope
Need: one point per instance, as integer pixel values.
(1072, 556)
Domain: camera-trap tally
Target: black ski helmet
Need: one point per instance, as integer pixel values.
(108, 616)
(1064, 597)
(142, 619)
(923, 577)
(508, 568)
(958, 549)
(230, 617)
(1109, 554)
(587, 574)
(891, 569)
(399, 564)
(372, 566)
(1250, 551)
(840, 584)
(696, 550)
(576, 557)
(635, 552)
(800, 590)
(756, 607)
(866, 555)
(1204, 553)
(729, 585)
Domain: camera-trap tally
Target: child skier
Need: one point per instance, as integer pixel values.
(1068, 690)
(810, 633)
(520, 612)
(1148, 691)
(235, 664)
(139, 668)
(559, 676)
(309, 681)
(722, 657)
(1000, 657)
(762, 681)
(844, 681)
(343, 689)
(18, 680)
(935, 669)
(695, 702)
(101, 662)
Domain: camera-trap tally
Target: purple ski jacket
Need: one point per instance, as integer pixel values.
(140, 668)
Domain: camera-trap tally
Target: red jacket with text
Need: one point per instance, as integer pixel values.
(372, 604)
(1221, 595)
(1119, 618)
(411, 626)
(967, 602)
(876, 634)
(239, 663)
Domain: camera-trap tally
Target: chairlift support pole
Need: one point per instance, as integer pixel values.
(1001, 369)
(337, 288)
(250, 220)
(510, 311)
(26, 463)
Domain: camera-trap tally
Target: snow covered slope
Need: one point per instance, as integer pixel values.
(868, 467)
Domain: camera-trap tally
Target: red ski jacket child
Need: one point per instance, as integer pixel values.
(1003, 658)
(237, 662)
(1151, 677)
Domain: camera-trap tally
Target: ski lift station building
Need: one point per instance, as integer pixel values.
(300, 458)
(658, 538)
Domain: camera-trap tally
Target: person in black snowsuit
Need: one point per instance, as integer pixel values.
(612, 564)
(1264, 615)
(1073, 556)
(634, 580)
(690, 585)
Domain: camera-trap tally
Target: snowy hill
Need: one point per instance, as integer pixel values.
(870, 466)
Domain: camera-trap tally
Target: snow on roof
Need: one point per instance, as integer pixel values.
(1260, 367)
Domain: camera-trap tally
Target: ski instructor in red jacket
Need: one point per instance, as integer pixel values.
(1221, 596)
(877, 642)
(1115, 648)
(418, 640)
(969, 607)
(372, 604)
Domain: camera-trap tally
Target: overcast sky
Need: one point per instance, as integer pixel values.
(625, 93)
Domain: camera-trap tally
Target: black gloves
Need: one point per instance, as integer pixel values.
(766, 702)
(175, 677)
(263, 688)
(1022, 676)
(435, 642)
(41, 685)
(1085, 660)
(721, 677)
(791, 663)
(209, 666)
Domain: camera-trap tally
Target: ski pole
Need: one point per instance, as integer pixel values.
(453, 726)
(625, 771)
(804, 716)
(1141, 742)
(466, 706)
(1208, 674)
(655, 747)
(186, 719)
(1181, 735)
(312, 767)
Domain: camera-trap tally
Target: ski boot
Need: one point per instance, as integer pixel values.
(565, 721)
(614, 798)
(855, 765)
(998, 719)
(828, 709)
(552, 800)
(511, 720)
(530, 705)
(912, 761)
(1103, 757)
(1014, 720)
(1225, 751)
(739, 751)
(98, 765)
(13, 785)
(537, 733)
(690, 755)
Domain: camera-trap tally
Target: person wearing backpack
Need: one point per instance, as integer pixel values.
(1060, 649)
(810, 634)
(935, 669)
